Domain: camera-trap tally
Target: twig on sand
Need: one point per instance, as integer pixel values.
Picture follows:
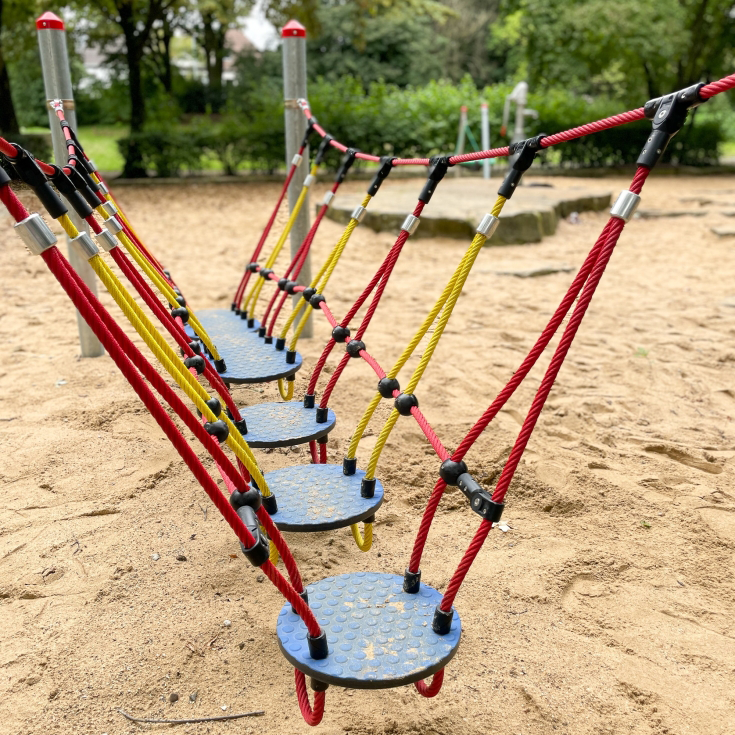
(189, 720)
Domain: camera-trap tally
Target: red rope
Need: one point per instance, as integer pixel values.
(17, 211)
(311, 716)
(429, 433)
(313, 452)
(431, 690)
(323, 453)
(722, 85)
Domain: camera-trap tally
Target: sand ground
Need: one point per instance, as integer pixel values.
(607, 608)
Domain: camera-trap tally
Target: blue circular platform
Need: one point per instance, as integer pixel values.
(378, 635)
(284, 424)
(216, 316)
(247, 357)
(320, 497)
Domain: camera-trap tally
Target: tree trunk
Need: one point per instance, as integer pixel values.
(213, 45)
(8, 120)
(134, 167)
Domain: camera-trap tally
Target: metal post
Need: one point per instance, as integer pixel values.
(461, 135)
(57, 83)
(294, 87)
(485, 138)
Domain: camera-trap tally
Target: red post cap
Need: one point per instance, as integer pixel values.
(50, 20)
(291, 29)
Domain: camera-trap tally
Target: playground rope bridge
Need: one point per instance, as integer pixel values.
(325, 631)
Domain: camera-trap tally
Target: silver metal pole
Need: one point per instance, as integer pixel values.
(294, 87)
(461, 135)
(57, 83)
(485, 138)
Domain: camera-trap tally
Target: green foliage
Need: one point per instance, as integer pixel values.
(167, 152)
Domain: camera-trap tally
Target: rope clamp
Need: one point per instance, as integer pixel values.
(35, 233)
(480, 500)
(323, 148)
(113, 225)
(386, 166)
(106, 240)
(296, 160)
(410, 224)
(259, 553)
(358, 213)
(347, 160)
(103, 188)
(328, 198)
(110, 208)
(308, 181)
(488, 225)
(438, 167)
(84, 245)
(526, 150)
(625, 205)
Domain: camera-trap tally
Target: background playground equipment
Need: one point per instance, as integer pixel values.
(519, 96)
(668, 114)
(465, 133)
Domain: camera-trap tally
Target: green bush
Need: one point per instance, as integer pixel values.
(166, 152)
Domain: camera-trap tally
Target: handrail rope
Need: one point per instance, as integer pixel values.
(458, 278)
(506, 476)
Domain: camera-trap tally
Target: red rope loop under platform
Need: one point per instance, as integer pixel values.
(312, 716)
(430, 690)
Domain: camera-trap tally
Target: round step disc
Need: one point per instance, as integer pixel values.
(284, 424)
(320, 497)
(378, 635)
(210, 318)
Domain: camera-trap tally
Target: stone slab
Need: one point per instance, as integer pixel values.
(459, 204)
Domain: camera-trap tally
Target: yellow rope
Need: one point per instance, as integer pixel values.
(274, 555)
(287, 394)
(251, 297)
(365, 543)
(448, 301)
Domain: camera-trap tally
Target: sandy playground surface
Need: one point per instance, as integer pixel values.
(607, 608)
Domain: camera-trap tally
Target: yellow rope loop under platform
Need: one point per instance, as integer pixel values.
(366, 542)
(287, 394)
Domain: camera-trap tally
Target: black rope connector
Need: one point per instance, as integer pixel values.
(251, 322)
(259, 553)
(668, 115)
(196, 362)
(4, 178)
(317, 299)
(233, 307)
(181, 301)
(268, 340)
(291, 286)
(29, 173)
(218, 429)
(243, 314)
(322, 150)
(354, 346)
(75, 175)
(318, 648)
(214, 406)
(282, 283)
(526, 150)
(307, 293)
(308, 132)
(265, 272)
(261, 331)
(451, 470)
(318, 686)
(250, 498)
(280, 343)
(309, 400)
(304, 596)
(347, 160)
(386, 387)
(220, 366)
(195, 346)
(386, 166)
(367, 487)
(290, 357)
(349, 466)
(181, 312)
(270, 504)
(67, 189)
(167, 273)
(80, 165)
(252, 267)
(340, 333)
(322, 414)
(405, 402)
(411, 581)
(442, 622)
(438, 167)
(480, 500)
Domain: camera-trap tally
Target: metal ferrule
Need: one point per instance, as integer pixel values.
(106, 240)
(309, 180)
(113, 225)
(110, 208)
(91, 165)
(296, 160)
(410, 224)
(103, 188)
(35, 233)
(84, 245)
(328, 198)
(625, 205)
(488, 224)
(358, 213)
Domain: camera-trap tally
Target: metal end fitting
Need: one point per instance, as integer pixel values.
(103, 188)
(84, 245)
(35, 233)
(107, 241)
(488, 225)
(309, 180)
(358, 213)
(296, 160)
(328, 198)
(110, 208)
(410, 224)
(113, 225)
(625, 205)
(526, 150)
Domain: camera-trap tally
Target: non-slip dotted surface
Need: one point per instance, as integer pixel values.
(320, 497)
(283, 424)
(217, 314)
(378, 635)
(247, 357)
